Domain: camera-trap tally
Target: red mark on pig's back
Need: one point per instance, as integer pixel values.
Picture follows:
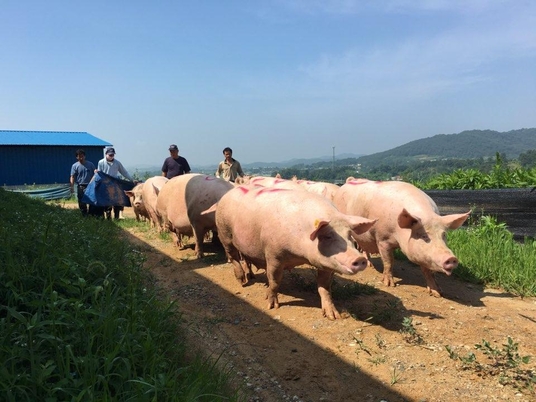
(270, 190)
(243, 189)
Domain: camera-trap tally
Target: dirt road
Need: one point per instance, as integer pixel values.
(295, 354)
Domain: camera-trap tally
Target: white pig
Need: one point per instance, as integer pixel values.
(407, 219)
(136, 201)
(278, 229)
(149, 194)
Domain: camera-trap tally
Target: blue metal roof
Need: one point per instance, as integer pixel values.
(77, 138)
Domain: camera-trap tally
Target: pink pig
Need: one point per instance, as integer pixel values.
(149, 194)
(407, 219)
(136, 202)
(278, 229)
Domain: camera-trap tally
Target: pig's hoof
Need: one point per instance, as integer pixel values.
(272, 302)
(434, 292)
(389, 281)
(331, 314)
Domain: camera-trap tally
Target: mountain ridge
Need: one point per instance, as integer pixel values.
(468, 144)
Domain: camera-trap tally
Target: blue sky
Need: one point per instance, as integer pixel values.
(273, 79)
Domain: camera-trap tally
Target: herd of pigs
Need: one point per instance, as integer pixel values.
(277, 224)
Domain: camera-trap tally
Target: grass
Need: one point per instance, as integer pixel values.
(504, 363)
(488, 254)
(79, 319)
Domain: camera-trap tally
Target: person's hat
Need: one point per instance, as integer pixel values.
(110, 151)
(173, 147)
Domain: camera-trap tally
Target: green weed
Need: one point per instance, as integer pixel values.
(505, 363)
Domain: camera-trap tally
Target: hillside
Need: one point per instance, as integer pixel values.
(471, 144)
(465, 145)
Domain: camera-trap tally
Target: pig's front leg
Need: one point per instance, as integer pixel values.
(323, 279)
(274, 275)
(388, 258)
(431, 284)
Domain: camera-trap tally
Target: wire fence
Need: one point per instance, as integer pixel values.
(515, 207)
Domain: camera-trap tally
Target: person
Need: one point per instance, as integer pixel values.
(82, 172)
(229, 169)
(114, 168)
(175, 165)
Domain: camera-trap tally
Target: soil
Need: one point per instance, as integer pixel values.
(295, 354)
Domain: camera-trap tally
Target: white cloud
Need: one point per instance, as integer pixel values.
(419, 66)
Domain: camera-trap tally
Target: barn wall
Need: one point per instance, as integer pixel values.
(34, 164)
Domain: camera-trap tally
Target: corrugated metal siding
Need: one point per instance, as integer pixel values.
(34, 164)
(66, 138)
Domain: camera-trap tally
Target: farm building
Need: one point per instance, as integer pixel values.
(44, 157)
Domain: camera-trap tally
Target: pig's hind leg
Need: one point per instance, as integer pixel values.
(274, 275)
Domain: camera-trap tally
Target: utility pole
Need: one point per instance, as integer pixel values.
(333, 165)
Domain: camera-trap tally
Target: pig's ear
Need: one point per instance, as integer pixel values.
(212, 208)
(406, 220)
(129, 193)
(454, 221)
(156, 189)
(319, 224)
(360, 225)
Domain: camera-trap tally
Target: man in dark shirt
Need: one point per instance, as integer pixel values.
(174, 165)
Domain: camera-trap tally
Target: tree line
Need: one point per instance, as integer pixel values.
(498, 172)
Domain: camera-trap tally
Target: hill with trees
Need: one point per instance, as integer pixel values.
(427, 157)
(465, 145)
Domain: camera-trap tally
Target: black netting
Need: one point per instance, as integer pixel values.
(515, 207)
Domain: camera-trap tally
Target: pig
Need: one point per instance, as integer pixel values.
(407, 219)
(277, 229)
(136, 202)
(181, 202)
(149, 194)
(266, 181)
(327, 190)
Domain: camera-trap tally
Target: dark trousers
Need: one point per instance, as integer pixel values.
(87, 209)
(116, 208)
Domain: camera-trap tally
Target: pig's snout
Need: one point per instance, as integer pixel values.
(450, 264)
(357, 265)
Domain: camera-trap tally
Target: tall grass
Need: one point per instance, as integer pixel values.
(489, 254)
(79, 320)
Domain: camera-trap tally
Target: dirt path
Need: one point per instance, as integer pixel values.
(295, 354)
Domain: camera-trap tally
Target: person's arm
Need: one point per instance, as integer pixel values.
(71, 184)
(124, 172)
(186, 167)
(239, 169)
(218, 170)
(164, 168)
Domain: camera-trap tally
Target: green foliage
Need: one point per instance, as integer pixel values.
(500, 176)
(504, 362)
(488, 254)
(528, 159)
(79, 319)
(410, 333)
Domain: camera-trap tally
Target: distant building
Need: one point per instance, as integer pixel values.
(44, 157)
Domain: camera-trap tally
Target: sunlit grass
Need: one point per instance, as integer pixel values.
(79, 319)
(489, 254)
